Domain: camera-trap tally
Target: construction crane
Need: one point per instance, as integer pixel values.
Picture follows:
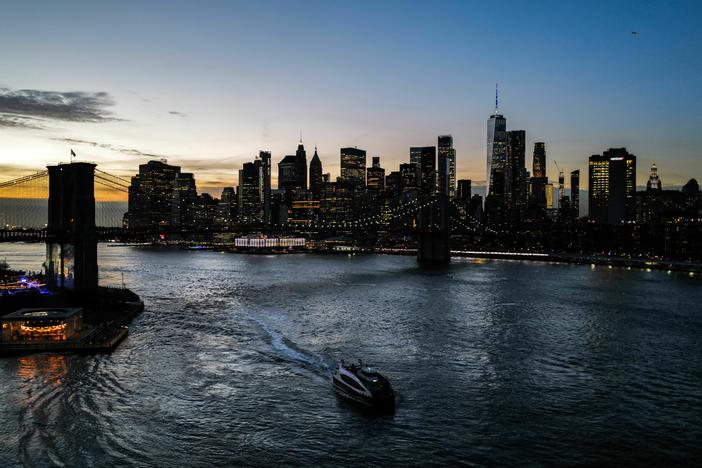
(561, 185)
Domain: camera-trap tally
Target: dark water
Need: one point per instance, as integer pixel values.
(496, 363)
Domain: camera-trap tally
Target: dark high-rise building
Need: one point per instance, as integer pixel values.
(515, 171)
(265, 158)
(301, 167)
(409, 177)
(184, 203)
(416, 155)
(612, 186)
(393, 182)
(575, 191)
(151, 195)
(315, 175)
(464, 190)
(287, 168)
(250, 203)
(447, 166)
(226, 207)
(496, 154)
(375, 175)
(539, 162)
(427, 167)
(539, 181)
(353, 166)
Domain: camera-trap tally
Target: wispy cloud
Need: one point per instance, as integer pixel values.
(109, 146)
(10, 121)
(179, 114)
(22, 108)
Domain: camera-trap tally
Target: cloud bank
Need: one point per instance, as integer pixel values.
(25, 108)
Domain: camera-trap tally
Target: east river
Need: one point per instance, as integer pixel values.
(493, 362)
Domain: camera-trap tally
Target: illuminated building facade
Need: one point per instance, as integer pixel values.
(42, 325)
(549, 195)
(612, 186)
(538, 179)
(375, 176)
(654, 182)
(250, 191)
(151, 195)
(496, 154)
(427, 168)
(184, 205)
(447, 166)
(353, 166)
(226, 207)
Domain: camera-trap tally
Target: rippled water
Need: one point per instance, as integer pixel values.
(498, 362)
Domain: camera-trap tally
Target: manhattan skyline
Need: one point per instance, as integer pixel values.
(209, 87)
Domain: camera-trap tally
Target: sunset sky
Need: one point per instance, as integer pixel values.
(209, 84)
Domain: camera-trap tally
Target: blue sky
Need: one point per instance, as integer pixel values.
(208, 84)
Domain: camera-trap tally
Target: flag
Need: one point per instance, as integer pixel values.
(73, 153)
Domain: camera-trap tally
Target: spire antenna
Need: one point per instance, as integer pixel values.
(496, 99)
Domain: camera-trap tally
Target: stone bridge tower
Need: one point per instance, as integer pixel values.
(71, 242)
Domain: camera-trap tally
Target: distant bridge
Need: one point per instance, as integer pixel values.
(23, 217)
(23, 202)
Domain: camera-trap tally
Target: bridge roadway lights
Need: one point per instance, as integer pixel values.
(433, 246)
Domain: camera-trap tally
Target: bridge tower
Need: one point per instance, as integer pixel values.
(71, 242)
(433, 227)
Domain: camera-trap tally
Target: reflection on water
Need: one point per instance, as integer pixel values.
(49, 369)
(493, 362)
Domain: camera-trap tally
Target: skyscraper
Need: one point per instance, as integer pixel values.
(375, 175)
(409, 177)
(575, 191)
(515, 171)
(539, 163)
(416, 156)
(539, 179)
(315, 175)
(353, 166)
(301, 167)
(287, 168)
(184, 203)
(424, 157)
(464, 190)
(265, 158)
(496, 152)
(226, 207)
(612, 186)
(250, 203)
(151, 195)
(447, 166)
(654, 182)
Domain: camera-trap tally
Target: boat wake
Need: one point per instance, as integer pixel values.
(284, 350)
